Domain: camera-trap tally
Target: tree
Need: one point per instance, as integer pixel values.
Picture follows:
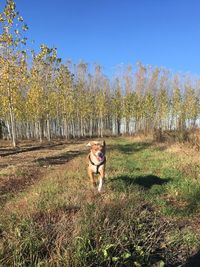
(65, 97)
(177, 104)
(191, 106)
(150, 111)
(117, 105)
(162, 108)
(41, 94)
(12, 60)
(127, 99)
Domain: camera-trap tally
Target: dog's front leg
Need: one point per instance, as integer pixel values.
(101, 179)
(91, 175)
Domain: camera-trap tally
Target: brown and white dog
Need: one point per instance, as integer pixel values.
(97, 162)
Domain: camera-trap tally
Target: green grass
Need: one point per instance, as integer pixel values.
(61, 221)
(142, 166)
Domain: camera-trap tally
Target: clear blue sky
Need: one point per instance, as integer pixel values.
(109, 32)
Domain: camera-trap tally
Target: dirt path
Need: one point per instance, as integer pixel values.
(22, 168)
(53, 154)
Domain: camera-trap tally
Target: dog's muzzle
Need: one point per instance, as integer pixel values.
(100, 156)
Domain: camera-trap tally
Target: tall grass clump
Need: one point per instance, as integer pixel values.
(124, 232)
(44, 239)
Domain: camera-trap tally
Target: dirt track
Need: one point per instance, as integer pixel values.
(22, 167)
(51, 154)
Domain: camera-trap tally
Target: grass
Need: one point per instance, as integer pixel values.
(158, 174)
(145, 216)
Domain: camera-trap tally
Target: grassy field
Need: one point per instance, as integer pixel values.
(147, 214)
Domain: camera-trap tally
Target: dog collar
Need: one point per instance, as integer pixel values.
(97, 165)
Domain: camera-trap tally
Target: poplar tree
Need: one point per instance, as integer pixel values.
(191, 107)
(81, 96)
(65, 98)
(12, 57)
(177, 105)
(117, 105)
(163, 101)
(149, 112)
(41, 95)
(100, 84)
(128, 99)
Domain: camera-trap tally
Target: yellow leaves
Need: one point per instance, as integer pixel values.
(4, 103)
(12, 32)
(1, 18)
(6, 38)
(176, 101)
(12, 83)
(20, 18)
(25, 27)
(191, 104)
(163, 104)
(101, 103)
(34, 101)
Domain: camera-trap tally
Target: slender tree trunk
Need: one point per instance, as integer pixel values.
(36, 128)
(118, 126)
(65, 128)
(91, 128)
(1, 130)
(73, 129)
(40, 127)
(12, 121)
(101, 126)
(127, 126)
(48, 129)
(28, 133)
(81, 127)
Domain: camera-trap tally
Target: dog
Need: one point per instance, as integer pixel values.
(97, 162)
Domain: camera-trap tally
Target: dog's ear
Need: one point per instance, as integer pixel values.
(89, 144)
(104, 143)
(92, 143)
(104, 146)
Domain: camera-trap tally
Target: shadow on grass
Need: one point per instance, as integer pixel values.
(130, 148)
(193, 261)
(60, 159)
(149, 180)
(146, 182)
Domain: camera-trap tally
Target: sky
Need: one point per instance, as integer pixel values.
(114, 33)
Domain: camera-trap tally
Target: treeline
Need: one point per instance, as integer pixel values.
(41, 97)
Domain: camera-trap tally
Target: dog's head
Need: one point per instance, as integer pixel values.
(98, 149)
